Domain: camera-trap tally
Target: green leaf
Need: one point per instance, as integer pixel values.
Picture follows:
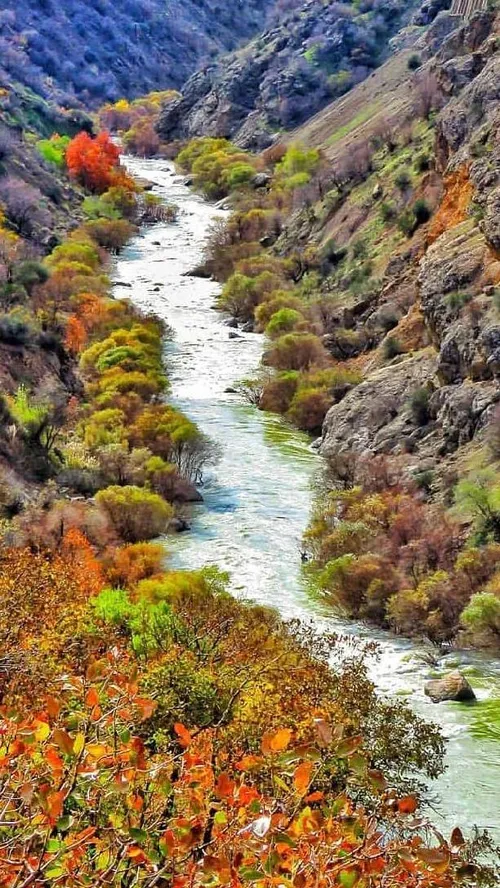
(348, 878)
(249, 874)
(138, 835)
(358, 763)
(284, 839)
(54, 872)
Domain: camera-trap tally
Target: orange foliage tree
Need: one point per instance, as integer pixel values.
(76, 335)
(95, 162)
(42, 598)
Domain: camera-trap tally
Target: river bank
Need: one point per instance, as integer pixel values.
(258, 498)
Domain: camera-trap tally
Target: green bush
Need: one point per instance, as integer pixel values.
(136, 514)
(391, 348)
(483, 613)
(423, 162)
(359, 248)
(457, 301)
(54, 150)
(410, 220)
(283, 321)
(388, 212)
(421, 211)
(403, 180)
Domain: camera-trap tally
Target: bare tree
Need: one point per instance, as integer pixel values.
(385, 133)
(24, 205)
(428, 94)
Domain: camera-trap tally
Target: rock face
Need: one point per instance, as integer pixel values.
(453, 277)
(452, 687)
(375, 416)
(315, 53)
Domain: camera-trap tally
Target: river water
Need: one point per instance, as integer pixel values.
(258, 498)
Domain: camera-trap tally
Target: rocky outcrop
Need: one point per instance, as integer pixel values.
(453, 686)
(290, 71)
(454, 275)
(375, 417)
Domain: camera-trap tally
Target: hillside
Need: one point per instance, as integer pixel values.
(316, 52)
(444, 278)
(100, 50)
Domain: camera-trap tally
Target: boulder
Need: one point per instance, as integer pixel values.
(374, 415)
(453, 686)
(261, 180)
(267, 241)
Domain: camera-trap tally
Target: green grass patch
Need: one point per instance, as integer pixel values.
(360, 118)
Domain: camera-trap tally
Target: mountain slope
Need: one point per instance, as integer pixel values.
(97, 50)
(439, 287)
(316, 52)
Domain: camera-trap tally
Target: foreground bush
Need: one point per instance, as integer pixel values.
(127, 815)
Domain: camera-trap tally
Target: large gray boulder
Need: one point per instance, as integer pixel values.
(453, 686)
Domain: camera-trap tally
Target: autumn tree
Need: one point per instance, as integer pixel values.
(135, 513)
(94, 161)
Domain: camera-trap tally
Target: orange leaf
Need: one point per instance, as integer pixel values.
(137, 855)
(183, 734)
(302, 777)
(86, 834)
(91, 698)
(248, 762)
(55, 803)
(27, 791)
(225, 786)
(146, 707)
(53, 760)
(276, 742)
(407, 805)
(63, 740)
(246, 795)
(53, 706)
(315, 797)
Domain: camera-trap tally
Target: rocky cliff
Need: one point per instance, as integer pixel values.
(447, 276)
(315, 53)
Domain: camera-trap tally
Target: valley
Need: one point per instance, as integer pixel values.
(249, 444)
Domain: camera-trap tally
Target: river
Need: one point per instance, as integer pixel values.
(257, 500)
